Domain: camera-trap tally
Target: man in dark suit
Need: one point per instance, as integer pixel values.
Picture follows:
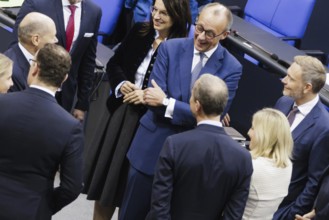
(195, 176)
(37, 137)
(34, 32)
(169, 111)
(310, 131)
(83, 45)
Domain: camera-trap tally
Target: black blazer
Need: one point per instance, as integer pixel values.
(37, 137)
(126, 60)
(201, 174)
(20, 69)
(83, 51)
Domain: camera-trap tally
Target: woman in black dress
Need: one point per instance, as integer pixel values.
(128, 72)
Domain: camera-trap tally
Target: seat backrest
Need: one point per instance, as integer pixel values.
(191, 32)
(110, 14)
(283, 18)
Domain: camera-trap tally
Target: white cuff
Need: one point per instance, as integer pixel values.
(170, 108)
(117, 92)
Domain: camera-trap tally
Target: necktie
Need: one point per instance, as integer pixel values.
(70, 28)
(196, 70)
(292, 114)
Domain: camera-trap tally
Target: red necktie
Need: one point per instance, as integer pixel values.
(70, 28)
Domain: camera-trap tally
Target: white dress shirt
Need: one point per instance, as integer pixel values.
(196, 58)
(141, 70)
(304, 109)
(43, 89)
(26, 53)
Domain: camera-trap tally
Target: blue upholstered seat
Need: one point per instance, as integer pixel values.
(282, 18)
(111, 12)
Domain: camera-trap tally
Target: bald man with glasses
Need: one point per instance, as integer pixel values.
(179, 63)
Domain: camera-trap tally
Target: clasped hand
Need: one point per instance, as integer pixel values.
(153, 96)
(132, 94)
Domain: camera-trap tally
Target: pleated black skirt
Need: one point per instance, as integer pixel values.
(106, 165)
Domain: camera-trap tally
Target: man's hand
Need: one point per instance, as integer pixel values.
(78, 114)
(154, 96)
(226, 120)
(134, 97)
(127, 87)
(307, 216)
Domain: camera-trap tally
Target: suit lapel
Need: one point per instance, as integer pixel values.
(61, 36)
(213, 64)
(22, 62)
(185, 64)
(307, 122)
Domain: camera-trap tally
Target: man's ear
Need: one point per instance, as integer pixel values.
(198, 106)
(35, 70)
(308, 88)
(65, 78)
(224, 35)
(35, 39)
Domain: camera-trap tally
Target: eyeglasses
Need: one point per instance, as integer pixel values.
(31, 61)
(162, 14)
(209, 34)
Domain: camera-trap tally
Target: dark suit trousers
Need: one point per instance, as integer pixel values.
(137, 197)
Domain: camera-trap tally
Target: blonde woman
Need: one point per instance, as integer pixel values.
(270, 147)
(6, 69)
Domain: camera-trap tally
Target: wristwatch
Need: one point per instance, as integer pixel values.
(165, 101)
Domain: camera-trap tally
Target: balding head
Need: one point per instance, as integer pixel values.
(219, 12)
(212, 26)
(36, 30)
(212, 94)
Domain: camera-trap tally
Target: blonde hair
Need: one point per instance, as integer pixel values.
(5, 63)
(272, 136)
(313, 71)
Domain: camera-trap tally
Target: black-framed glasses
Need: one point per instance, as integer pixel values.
(31, 61)
(209, 34)
(162, 14)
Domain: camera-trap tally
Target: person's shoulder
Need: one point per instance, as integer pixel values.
(174, 42)
(138, 26)
(92, 5)
(228, 56)
(285, 100)
(323, 115)
(12, 51)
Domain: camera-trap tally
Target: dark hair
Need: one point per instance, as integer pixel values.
(212, 93)
(179, 12)
(54, 63)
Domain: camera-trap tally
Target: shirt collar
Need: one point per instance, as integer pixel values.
(211, 122)
(305, 108)
(26, 53)
(66, 3)
(43, 89)
(207, 53)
